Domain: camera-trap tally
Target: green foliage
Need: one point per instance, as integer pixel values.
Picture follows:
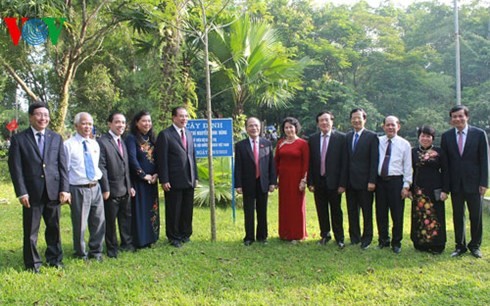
(251, 60)
(222, 182)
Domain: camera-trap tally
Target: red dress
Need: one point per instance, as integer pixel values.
(292, 165)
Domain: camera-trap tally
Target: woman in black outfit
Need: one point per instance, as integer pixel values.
(428, 231)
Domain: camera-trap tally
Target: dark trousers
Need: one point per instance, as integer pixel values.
(474, 203)
(250, 205)
(179, 207)
(357, 201)
(388, 200)
(118, 208)
(31, 220)
(325, 198)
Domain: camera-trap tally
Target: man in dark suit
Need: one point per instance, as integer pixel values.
(116, 185)
(362, 152)
(327, 177)
(466, 152)
(38, 170)
(255, 176)
(177, 171)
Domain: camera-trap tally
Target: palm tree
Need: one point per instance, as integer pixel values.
(249, 55)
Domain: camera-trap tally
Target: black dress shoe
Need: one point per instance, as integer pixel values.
(176, 243)
(247, 242)
(97, 258)
(324, 240)
(383, 245)
(34, 270)
(57, 265)
(458, 252)
(341, 244)
(397, 249)
(186, 240)
(476, 253)
(365, 245)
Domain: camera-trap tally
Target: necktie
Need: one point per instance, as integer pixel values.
(460, 142)
(182, 137)
(356, 139)
(119, 145)
(89, 164)
(40, 143)
(256, 158)
(386, 161)
(324, 154)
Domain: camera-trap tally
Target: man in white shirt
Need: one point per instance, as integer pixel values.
(393, 185)
(87, 206)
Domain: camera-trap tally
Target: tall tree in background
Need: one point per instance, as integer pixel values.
(87, 24)
(251, 61)
(161, 27)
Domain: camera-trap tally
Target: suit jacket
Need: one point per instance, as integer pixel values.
(114, 167)
(31, 173)
(363, 162)
(245, 166)
(470, 170)
(335, 162)
(176, 165)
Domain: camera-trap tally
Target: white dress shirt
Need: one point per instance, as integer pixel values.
(400, 159)
(75, 159)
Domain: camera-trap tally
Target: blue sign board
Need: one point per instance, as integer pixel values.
(222, 136)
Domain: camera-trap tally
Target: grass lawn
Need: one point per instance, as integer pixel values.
(226, 272)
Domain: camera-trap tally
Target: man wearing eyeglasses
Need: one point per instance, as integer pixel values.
(39, 174)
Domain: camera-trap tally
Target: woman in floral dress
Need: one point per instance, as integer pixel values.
(145, 206)
(428, 231)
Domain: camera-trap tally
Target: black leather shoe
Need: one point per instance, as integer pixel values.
(34, 270)
(341, 244)
(397, 249)
(57, 265)
(186, 240)
(176, 244)
(458, 252)
(247, 242)
(97, 258)
(365, 245)
(476, 253)
(382, 245)
(324, 240)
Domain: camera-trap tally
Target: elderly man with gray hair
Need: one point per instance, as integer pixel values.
(87, 206)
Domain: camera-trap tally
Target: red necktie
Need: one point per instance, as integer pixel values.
(256, 157)
(119, 145)
(324, 155)
(182, 137)
(460, 142)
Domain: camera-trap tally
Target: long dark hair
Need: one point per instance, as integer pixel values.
(136, 132)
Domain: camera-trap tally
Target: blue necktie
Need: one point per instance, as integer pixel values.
(89, 164)
(40, 143)
(356, 138)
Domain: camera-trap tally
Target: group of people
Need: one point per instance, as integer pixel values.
(112, 183)
(366, 166)
(105, 181)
